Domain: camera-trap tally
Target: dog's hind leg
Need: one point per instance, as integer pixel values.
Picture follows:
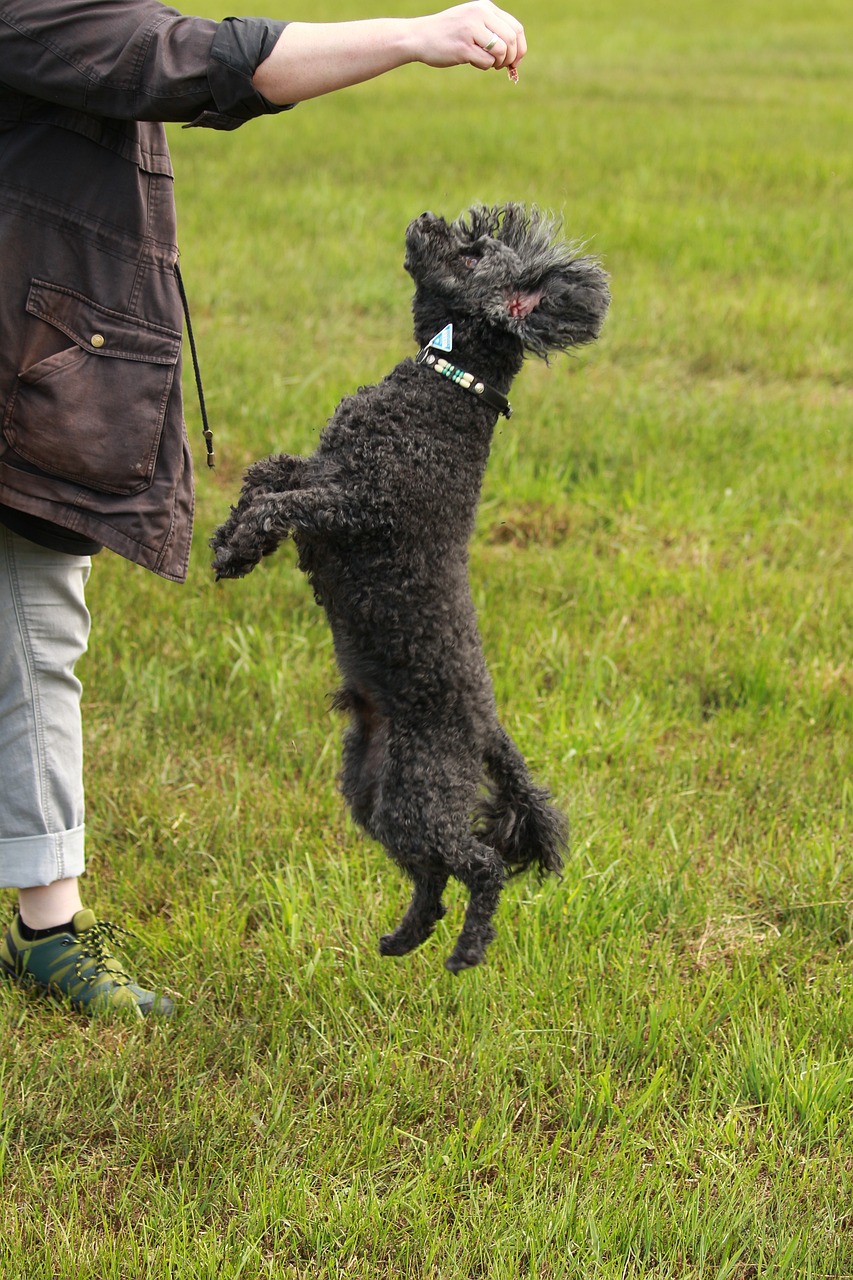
(364, 747)
(448, 848)
(424, 911)
(420, 805)
(364, 767)
(481, 871)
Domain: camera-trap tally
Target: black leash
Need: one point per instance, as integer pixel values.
(208, 434)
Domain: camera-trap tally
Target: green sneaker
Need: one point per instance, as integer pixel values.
(78, 966)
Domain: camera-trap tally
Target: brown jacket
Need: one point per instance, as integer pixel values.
(93, 437)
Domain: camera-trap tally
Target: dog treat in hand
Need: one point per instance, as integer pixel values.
(512, 72)
(381, 515)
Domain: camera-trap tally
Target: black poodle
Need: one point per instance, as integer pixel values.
(381, 515)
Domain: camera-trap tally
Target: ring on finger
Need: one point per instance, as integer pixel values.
(488, 47)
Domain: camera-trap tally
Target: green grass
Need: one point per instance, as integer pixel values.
(652, 1075)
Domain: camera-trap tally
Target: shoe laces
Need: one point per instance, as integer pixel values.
(94, 944)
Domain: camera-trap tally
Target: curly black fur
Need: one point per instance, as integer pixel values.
(381, 515)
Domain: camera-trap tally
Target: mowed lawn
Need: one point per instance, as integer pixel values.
(652, 1075)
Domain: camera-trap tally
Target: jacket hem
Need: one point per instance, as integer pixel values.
(160, 560)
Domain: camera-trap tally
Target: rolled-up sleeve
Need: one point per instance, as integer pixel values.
(137, 60)
(239, 47)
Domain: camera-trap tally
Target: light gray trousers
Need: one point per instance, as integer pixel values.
(44, 628)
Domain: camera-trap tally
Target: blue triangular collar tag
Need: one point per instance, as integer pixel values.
(443, 341)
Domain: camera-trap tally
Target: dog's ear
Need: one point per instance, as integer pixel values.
(565, 309)
(520, 304)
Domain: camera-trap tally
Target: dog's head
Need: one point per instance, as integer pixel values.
(504, 268)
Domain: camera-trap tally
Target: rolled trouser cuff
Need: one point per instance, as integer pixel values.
(29, 861)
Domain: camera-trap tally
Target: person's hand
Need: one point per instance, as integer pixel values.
(477, 33)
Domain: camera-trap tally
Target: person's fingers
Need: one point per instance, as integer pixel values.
(521, 45)
(503, 37)
(493, 45)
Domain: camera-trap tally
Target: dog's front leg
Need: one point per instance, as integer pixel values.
(238, 550)
(267, 519)
(322, 511)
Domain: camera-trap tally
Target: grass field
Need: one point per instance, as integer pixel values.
(652, 1076)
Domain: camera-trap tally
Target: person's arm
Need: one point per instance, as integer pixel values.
(133, 60)
(310, 59)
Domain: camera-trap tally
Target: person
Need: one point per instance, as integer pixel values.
(93, 449)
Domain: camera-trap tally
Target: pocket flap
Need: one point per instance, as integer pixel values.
(100, 331)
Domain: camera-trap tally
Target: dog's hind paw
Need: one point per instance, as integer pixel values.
(391, 945)
(457, 962)
(470, 949)
(402, 941)
(412, 933)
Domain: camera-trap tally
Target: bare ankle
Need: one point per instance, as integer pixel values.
(48, 905)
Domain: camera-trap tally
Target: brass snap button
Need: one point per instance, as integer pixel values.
(97, 339)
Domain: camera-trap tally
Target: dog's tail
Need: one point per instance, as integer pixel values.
(516, 818)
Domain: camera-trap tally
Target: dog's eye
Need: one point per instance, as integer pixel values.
(473, 253)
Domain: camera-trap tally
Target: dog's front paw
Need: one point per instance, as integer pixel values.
(230, 564)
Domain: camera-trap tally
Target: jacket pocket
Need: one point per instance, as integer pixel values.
(92, 391)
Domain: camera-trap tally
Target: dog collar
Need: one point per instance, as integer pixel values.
(427, 356)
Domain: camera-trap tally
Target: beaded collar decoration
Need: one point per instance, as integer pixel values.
(430, 358)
